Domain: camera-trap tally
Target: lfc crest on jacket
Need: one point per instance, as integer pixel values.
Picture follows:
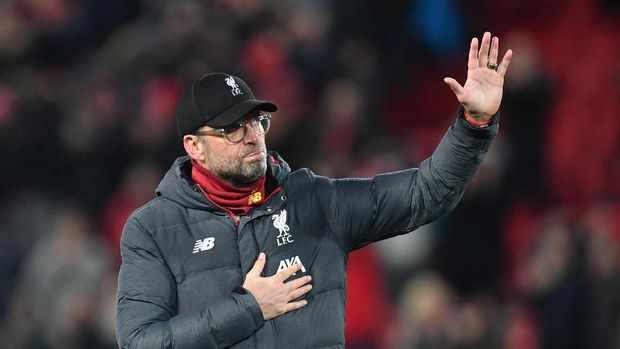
(279, 222)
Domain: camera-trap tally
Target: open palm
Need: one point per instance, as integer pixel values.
(481, 95)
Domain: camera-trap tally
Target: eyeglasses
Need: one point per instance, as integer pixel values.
(235, 133)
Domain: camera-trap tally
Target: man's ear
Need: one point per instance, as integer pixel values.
(194, 147)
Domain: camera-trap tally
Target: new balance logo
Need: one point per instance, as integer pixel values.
(203, 245)
(287, 262)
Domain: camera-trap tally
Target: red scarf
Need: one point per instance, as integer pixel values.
(235, 200)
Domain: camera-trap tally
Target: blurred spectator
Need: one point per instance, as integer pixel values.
(582, 90)
(311, 47)
(603, 306)
(152, 130)
(437, 24)
(56, 298)
(93, 140)
(264, 60)
(555, 283)
(479, 324)
(467, 250)
(520, 330)
(137, 188)
(427, 314)
(23, 223)
(339, 125)
(369, 310)
(525, 109)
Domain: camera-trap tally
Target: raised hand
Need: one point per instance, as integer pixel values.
(274, 295)
(481, 95)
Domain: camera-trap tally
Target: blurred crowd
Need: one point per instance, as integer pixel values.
(528, 260)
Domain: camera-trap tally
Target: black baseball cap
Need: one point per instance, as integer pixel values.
(216, 100)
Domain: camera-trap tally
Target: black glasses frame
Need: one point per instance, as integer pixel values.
(260, 125)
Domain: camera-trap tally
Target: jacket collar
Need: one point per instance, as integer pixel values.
(178, 186)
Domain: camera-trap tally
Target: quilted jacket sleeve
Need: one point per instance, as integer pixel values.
(361, 211)
(146, 299)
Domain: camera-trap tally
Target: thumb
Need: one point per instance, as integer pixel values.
(258, 265)
(455, 86)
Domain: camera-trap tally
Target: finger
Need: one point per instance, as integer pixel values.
(300, 292)
(455, 86)
(494, 50)
(472, 63)
(503, 67)
(297, 283)
(295, 305)
(258, 265)
(288, 272)
(483, 55)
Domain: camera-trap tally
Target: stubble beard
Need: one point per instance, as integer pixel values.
(235, 171)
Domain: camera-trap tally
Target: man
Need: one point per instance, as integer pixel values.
(238, 251)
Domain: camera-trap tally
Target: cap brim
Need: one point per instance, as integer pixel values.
(237, 111)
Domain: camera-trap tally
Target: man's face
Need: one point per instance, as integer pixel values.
(237, 163)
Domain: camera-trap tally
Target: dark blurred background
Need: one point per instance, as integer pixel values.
(529, 259)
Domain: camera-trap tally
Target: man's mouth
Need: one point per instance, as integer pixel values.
(254, 155)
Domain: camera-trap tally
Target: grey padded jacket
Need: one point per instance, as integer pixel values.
(184, 260)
